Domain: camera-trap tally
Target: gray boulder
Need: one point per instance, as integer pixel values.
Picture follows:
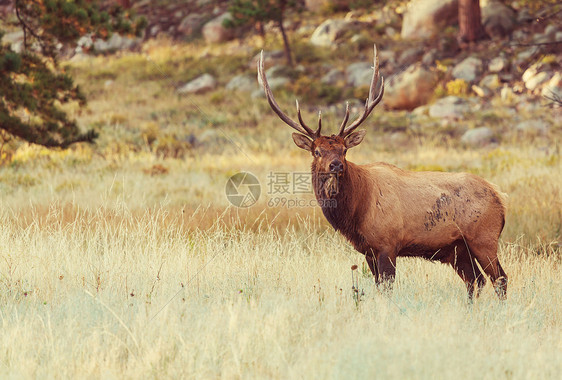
(552, 29)
(85, 42)
(191, 24)
(277, 76)
(426, 18)
(498, 64)
(526, 55)
(478, 137)
(242, 82)
(324, 5)
(360, 40)
(498, 19)
(429, 57)
(115, 43)
(469, 69)
(506, 94)
(450, 107)
(201, 84)
(278, 71)
(15, 40)
(387, 57)
(532, 126)
(535, 75)
(553, 89)
(481, 91)
(359, 74)
(534, 82)
(410, 55)
(329, 31)
(490, 81)
(523, 16)
(271, 58)
(274, 84)
(409, 89)
(333, 77)
(215, 32)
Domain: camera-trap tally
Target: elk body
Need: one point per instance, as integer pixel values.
(386, 212)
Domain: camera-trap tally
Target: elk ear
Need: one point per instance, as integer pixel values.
(302, 141)
(355, 138)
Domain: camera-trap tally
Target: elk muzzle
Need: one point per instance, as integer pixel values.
(336, 167)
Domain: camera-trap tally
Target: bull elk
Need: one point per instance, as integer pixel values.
(386, 212)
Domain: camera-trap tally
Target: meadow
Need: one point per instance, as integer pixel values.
(126, 260)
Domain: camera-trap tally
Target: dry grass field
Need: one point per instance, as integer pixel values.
(124, 260)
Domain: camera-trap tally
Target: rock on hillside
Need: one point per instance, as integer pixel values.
(330, 30)
(425, 18)
(243, 82)
(498, 19)
(359, 74)
(469, 69)
(478, 137)
(323, 5)
(450, 107)
(215, 32)
(115, 43)
(409, 89)
(204, 83)
(553, 89)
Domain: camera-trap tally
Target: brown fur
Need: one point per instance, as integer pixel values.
(386, 212)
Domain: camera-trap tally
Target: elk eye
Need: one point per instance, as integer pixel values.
(317, 153)
(345, 151)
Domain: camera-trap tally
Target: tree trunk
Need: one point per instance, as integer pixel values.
(261, 30)
(470, 21)
(286, 43)
(126, 4)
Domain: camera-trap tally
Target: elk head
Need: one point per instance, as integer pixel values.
(328, 152)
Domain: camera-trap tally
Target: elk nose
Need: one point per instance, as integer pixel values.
(336, 166)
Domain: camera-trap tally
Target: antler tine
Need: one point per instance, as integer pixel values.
(301, 121)
(345, 119)
(371, 101)
(302, 128)
(319, 123)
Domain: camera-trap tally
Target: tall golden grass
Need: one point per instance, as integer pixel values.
(130, 294)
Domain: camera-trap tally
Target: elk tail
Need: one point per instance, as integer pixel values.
(503, 197)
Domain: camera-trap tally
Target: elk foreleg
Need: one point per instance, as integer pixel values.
(465, 265)
(486, 254)
(386, 265)
(467, 271)
(372, 262)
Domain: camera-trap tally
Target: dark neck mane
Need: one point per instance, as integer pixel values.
(345, 211)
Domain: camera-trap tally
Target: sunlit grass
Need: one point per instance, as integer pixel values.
(138, 294)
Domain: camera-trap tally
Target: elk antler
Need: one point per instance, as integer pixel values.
(301, 127)
(370, 102)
